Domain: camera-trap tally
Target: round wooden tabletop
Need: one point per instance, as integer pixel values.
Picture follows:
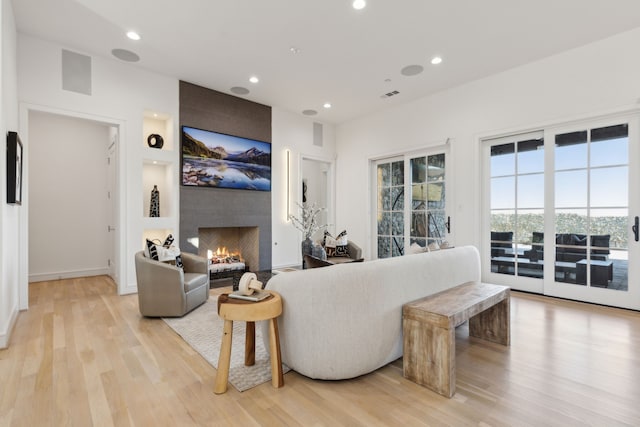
(250, 311)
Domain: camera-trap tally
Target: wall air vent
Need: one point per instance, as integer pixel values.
(390, 94)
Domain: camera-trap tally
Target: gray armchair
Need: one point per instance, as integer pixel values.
(165, 290)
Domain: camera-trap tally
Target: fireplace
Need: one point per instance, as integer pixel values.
(230, 248)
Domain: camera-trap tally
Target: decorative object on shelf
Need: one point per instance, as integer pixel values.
(155, 141)
(14, 168)
(250, 289)
(249, 283)
(154, 207)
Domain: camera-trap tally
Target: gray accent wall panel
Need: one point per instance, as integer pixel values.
(217, 207)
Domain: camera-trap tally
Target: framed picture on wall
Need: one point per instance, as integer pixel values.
(14, 168)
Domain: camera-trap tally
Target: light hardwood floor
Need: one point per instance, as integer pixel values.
(82, 356)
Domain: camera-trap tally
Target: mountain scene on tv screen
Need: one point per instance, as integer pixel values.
(215, 160)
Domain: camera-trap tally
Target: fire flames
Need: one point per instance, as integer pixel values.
(222, 255)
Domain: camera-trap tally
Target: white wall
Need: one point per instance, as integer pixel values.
(594, 79)
(120, 95)
(68, 204)
(123, 92)
(295, 133)
(10, 242)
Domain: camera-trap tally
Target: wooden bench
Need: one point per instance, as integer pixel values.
(428, 326)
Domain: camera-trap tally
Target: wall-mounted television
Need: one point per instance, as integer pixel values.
(216, 160)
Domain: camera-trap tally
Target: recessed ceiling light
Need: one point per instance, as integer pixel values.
(436, 60)
(359, 4)
(327, 105)
(309, 112)
(133, 35)
(254, 79)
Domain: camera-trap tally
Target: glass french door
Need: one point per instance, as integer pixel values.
(562, 211)
(411, 204)
(595, 203)
(516, 166)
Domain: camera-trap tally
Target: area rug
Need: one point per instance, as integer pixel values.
(202, 330)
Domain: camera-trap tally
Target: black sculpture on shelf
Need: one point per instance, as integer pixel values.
(155, 141)
(154, 207)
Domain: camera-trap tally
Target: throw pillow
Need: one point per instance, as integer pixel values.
(151, 251)
(336, 246)
(168, 241)
(179, 262)
(158, 252)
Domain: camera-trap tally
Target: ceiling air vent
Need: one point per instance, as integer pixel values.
(390, 94)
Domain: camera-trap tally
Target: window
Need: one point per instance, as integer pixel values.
(410, 190)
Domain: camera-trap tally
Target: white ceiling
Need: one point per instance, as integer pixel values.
(345, 56)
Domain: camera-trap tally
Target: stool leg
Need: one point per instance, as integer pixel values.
(250, 344)
(224, 359)
(277, 378)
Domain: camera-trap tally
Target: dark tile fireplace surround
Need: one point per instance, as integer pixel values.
(204, 208)
(235, 219)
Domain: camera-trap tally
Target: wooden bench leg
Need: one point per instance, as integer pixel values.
(277, 377)
(429, 356)
(224, 360)
(250, 344)
(493, 324)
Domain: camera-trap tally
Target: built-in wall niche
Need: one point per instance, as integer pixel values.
(160, 174)
(155, 123)
(159, 168)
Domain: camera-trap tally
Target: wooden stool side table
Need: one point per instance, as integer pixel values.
(231, 309)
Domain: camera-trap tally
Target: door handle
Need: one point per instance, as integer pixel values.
(635, 228)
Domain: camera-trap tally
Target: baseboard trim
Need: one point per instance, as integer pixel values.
(43, 277)
(282, 266)
(130, 289)
(5, 336)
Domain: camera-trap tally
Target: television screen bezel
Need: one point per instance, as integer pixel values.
(222, 187)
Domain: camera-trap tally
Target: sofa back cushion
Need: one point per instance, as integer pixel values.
(346, 320)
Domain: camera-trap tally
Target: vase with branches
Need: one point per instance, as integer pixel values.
(308, 224)
(308, 220)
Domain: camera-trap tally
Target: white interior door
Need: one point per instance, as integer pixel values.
(112, 203)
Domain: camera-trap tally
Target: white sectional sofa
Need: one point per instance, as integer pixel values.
(346, 320)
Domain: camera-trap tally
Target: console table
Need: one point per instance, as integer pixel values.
(428, 326)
